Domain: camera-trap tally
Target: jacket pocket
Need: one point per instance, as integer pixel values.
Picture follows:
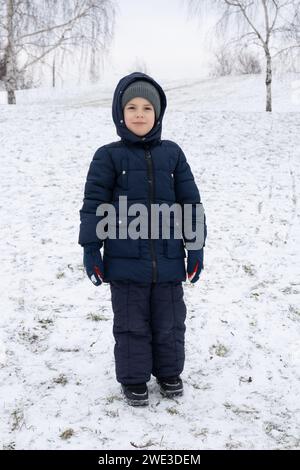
(172, 180)
(122, 247)
(171, 174)
(124, 174)
(174, 248)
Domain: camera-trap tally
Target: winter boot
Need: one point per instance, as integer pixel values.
(135, 394)
(170, 386)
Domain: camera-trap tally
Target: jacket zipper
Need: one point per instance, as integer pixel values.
(151, 200)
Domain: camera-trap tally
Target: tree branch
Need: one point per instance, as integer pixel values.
(286, 49)
(266, 22)
(59, 26)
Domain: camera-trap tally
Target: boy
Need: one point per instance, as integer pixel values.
(145, 273)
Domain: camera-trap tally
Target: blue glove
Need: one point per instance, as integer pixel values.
(194, 264)
(92, 261)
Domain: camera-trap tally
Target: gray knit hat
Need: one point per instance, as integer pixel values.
(145, 90)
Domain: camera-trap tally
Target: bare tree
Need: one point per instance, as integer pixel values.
(272, 25)
(228, 61)
(247, 62)
(31, 30)
(2, 66)
(223, 62)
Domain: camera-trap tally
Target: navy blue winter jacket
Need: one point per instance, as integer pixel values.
(147, 170)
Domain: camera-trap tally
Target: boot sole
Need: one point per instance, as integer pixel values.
(137, 402)
(132, 402)
(171, 394)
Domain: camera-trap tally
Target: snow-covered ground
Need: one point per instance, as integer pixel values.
(58, 388)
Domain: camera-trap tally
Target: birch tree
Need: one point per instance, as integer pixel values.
(31, 30)
(271, 25)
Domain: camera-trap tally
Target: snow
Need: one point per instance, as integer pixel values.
(241, 374)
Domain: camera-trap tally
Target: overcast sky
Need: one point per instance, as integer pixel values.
(159, 33)
(162, 34)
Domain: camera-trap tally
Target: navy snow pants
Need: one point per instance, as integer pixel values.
(148, 329)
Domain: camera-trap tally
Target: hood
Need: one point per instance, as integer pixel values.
(117, 112)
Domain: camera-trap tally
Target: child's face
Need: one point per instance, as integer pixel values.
(139, 116)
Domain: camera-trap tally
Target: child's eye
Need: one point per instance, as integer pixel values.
(132, 107)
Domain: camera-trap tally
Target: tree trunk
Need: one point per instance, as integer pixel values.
(268, 81)
(10, 78)
(53, 72)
